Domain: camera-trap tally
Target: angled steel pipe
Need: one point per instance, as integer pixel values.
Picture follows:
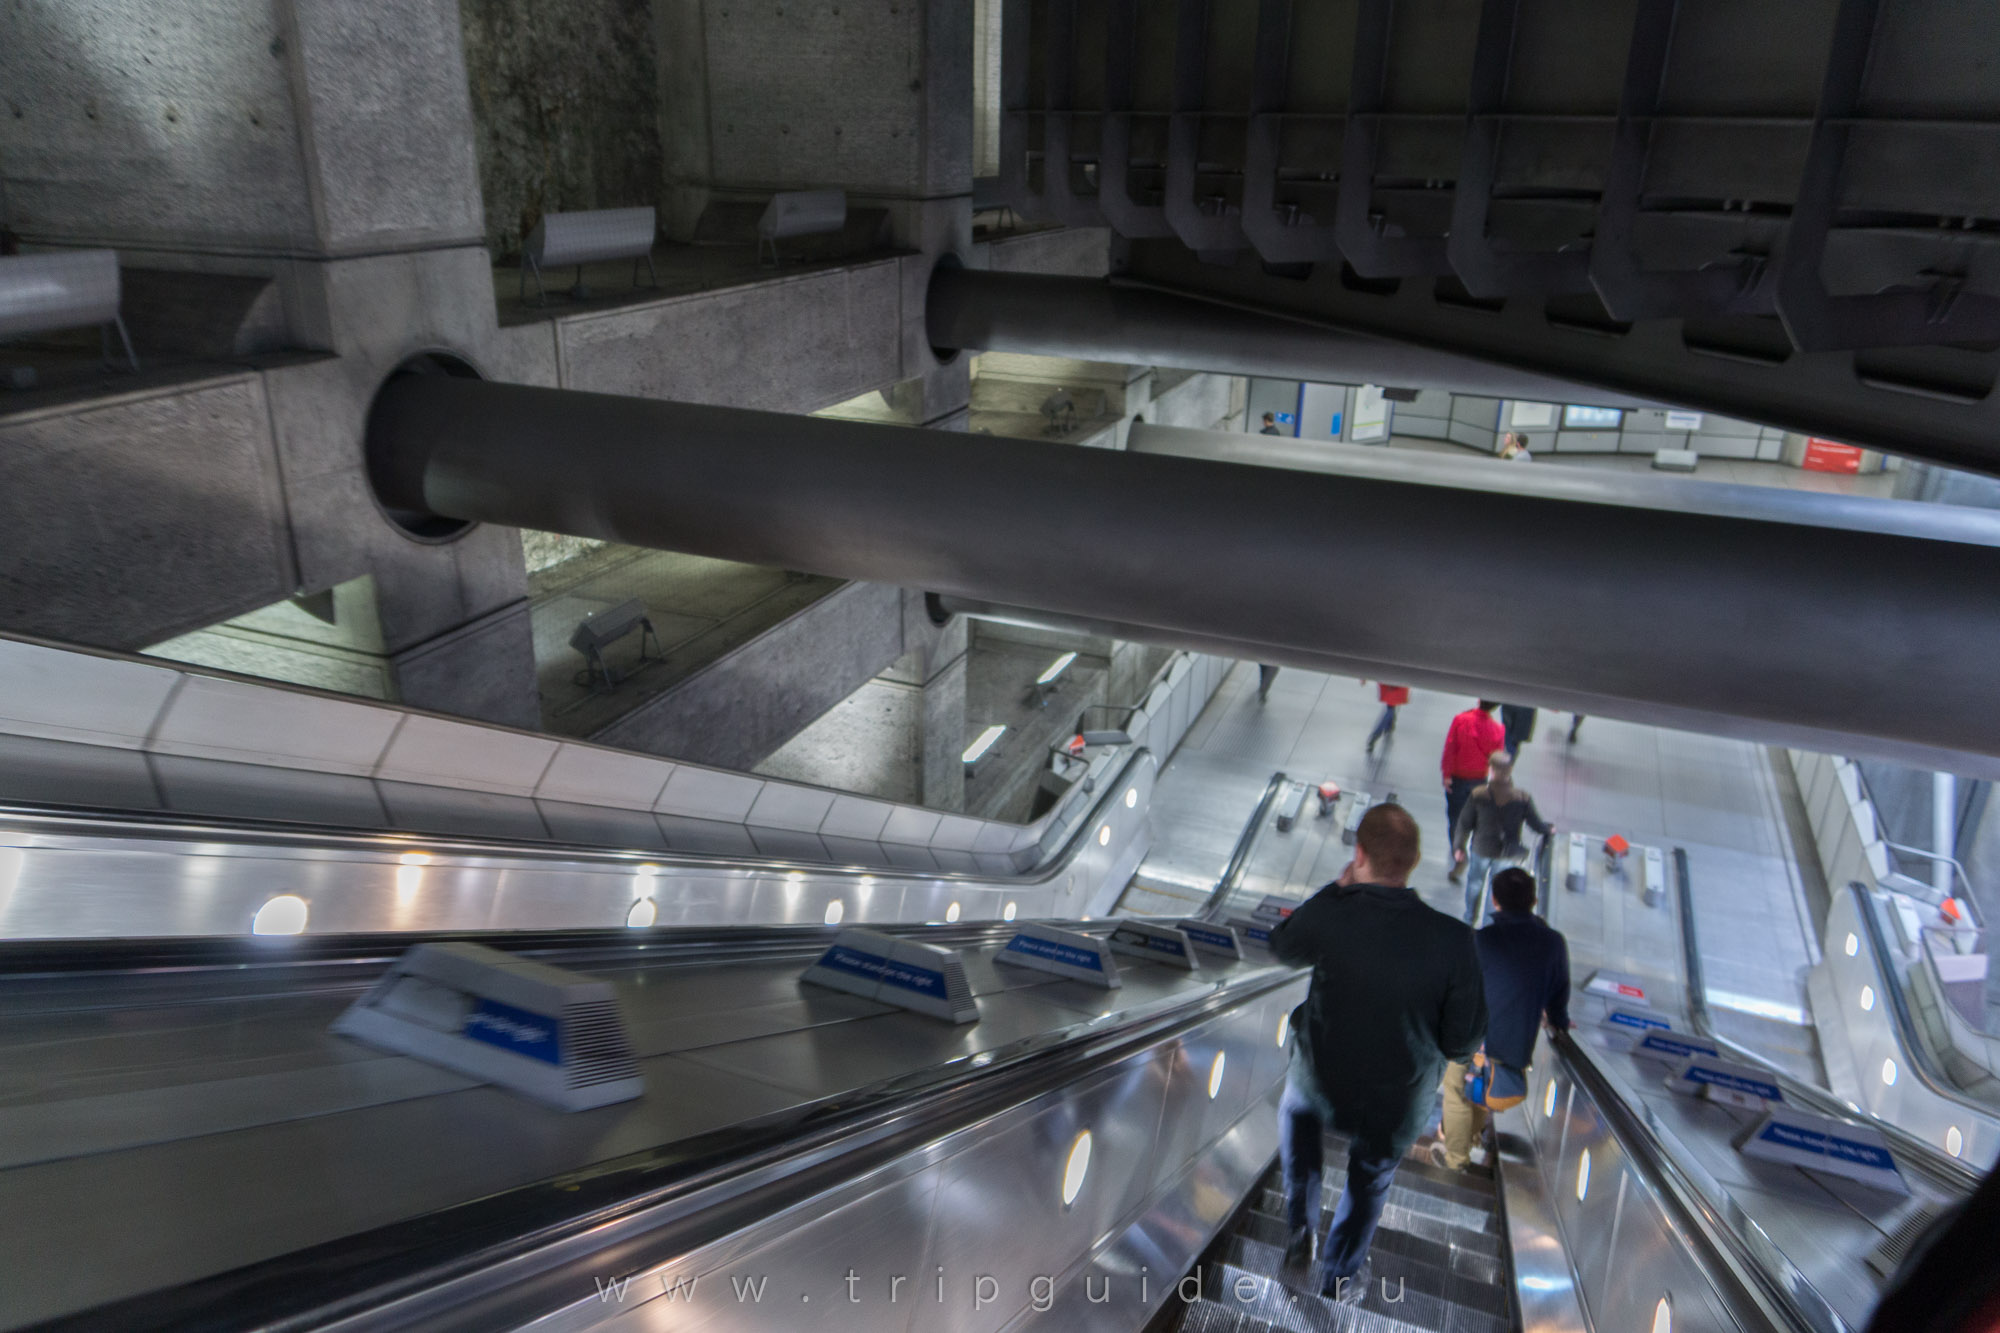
(1090, 319)
(1758, 612)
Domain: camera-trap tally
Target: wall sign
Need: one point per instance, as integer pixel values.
(1678, 420)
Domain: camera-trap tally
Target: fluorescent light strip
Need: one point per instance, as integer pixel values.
(1056, 668)
(1751, 1004)
(984, 743)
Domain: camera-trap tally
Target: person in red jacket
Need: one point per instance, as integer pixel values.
(1475, 734)
(1391, 698)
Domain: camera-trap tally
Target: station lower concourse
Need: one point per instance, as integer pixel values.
(1196, 667)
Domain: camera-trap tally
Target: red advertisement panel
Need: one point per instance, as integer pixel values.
(1828, 456)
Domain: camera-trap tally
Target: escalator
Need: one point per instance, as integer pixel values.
(1438, 1260)
(184, 1144)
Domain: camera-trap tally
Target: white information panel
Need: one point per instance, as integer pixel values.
(1066, 953)
(1819, 1143)
(1166, 945)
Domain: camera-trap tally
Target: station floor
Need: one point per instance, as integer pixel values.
(1723, 800)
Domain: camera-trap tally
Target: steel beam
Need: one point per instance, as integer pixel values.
(1091, 320)
(1792, 619)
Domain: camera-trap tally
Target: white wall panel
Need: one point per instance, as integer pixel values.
(787, 807)
(707, 794)
(212, 718)
(444, 753)
(593, 775)
(78, 696)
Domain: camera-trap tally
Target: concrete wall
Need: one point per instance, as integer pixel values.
(566, 109)
(744, 705)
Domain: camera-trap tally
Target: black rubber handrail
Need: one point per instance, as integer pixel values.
(1909, 1037)
(461, 1266)
(1949, 1172)
(1750, 1277)
(1239, 856)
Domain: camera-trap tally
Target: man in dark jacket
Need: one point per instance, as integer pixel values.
(1525, 963)
(1395, 994)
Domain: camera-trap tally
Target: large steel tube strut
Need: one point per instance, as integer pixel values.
(1093, 320)
(1829, 628)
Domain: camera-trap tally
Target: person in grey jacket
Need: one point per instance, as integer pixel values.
(1489, 829)
(1396, 993)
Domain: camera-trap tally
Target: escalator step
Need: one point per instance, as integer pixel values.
(1399, 1306)
(1206, 1316)
(1423, 1267)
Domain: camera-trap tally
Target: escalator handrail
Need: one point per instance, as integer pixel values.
(471, 1250)
(1760, 1277)
(1728, 1245)
(1239, 856)
(1944, 1169)
(1916, 1051)
(252, 832)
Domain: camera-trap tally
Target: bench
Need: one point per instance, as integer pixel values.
(64, 289)
(595, 237)
(799, 213)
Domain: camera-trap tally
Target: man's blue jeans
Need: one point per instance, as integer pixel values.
(1478, 869)
(1303, 1117)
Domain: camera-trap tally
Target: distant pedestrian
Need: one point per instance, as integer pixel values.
(1488, 829)
(1525, 965)
(1514, 447)
(1473, 737)
(1575, 725)
(1396, 993)
(1270, 424)
(1391, 697)
(1518, 724)
(1265, 675)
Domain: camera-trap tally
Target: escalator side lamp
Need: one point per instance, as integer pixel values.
(1693, 1076)
(548, 1033)
(1672, 1048)
(1617, 986)
(1209, 938)
(1819, 1143)
(923, 978)
(1577, 877)
(1066, 953)
(1168, 946)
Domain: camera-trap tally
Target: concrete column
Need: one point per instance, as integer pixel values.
(942, 781)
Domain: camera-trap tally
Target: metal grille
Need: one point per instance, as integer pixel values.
(1888, 1257)
(594, 1039)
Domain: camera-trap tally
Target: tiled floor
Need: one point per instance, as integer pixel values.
(1715, 797)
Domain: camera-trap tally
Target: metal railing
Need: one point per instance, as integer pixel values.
(466, 1263)
(1239, 857)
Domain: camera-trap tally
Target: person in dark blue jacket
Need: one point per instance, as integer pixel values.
(1525, 963)
(1395, 994)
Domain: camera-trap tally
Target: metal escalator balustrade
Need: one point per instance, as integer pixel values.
(970, 1170)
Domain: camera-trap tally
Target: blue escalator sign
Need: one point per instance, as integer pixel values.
(1722, 1078)
(1625, 1018)
(1827, 1145)
(1153, 943)
(1677, 1048)
(1220, 939)
(516, 1030)
(888, 971)
(1055, 952)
